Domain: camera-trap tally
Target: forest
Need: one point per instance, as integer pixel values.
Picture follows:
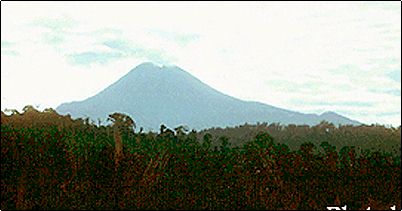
(51, 161)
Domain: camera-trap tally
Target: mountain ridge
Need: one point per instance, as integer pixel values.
(153, 95)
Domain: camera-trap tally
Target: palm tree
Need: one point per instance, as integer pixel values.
(121, 122)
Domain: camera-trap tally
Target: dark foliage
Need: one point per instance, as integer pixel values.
(49, 161)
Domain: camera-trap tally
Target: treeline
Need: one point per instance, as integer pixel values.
(364, 137)
(49, 161)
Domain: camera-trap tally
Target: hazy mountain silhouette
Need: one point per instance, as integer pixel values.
(154, 95)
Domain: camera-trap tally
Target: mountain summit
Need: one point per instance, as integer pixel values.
(154, 95)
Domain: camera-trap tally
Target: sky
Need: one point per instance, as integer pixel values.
(309, 57)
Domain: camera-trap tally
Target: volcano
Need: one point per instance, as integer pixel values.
(154, 95)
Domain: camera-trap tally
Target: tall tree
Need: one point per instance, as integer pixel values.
(121, 123)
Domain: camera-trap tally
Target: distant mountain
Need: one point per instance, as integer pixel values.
(154, 95)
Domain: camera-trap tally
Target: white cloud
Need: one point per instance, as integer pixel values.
(279, 53)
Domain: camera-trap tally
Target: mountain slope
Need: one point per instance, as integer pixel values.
(154, 95)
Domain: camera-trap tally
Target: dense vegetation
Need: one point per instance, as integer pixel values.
(50, 161)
